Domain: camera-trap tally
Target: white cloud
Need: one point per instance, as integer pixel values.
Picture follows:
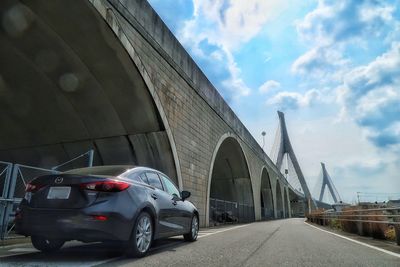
(235, 83)
(321, 62)
(269, 86)
(337, 21)
(230, 23)
(220, 27)
(333, 26)
(293, 100)
(370, 94)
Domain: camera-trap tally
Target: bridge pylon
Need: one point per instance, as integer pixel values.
(327, 182)
(281, 148)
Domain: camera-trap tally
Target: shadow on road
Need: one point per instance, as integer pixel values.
(96, 253)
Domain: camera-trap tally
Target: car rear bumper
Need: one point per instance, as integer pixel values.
(72, 225)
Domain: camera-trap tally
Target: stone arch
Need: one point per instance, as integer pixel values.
(97, 94)
(279, 200)
(229, 192)
(266, 195)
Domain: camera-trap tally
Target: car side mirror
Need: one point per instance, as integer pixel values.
(185, 195)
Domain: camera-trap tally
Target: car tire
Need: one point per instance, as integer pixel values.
(45, 244)
(141, 237)
(194, 230)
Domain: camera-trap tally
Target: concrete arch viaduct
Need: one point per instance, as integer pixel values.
(109, 75)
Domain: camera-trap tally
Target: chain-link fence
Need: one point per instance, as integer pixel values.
(223, 212)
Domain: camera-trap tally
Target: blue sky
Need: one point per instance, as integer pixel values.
(333, 67)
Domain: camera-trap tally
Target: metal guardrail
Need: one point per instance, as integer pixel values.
(390, 216)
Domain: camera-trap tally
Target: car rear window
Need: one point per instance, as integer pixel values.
(143, 177)
(170, 187)
(154, 180)
(100, 170)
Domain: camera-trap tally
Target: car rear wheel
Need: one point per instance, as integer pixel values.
(46, 244)
(142, 236)
(194, 230)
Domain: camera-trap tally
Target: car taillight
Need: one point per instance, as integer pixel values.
(106, 186)
(99, 218)
(32, 187)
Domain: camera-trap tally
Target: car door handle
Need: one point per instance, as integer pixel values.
(154, 196)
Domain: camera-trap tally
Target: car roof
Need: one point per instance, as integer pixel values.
(127, 168)
(106, 166)
(112, 170)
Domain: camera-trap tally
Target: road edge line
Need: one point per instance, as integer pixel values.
(223, 230)
(357, 242)
(15, 245)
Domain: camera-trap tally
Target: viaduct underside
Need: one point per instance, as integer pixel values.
(108, 75)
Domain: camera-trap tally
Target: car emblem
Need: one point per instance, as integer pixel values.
(58, 180)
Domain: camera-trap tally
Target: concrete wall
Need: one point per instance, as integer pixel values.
(189, 119)
(185, 93)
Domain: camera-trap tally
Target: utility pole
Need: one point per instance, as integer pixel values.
(263, 133)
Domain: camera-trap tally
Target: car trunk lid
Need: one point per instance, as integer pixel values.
(62, 191)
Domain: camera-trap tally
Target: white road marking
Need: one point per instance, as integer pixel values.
(222, 230)
(105, 261)
(15, 245)
(357, 242)
(208, 232)
(23, 250)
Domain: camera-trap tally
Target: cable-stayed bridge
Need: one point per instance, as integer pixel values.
(325, 189)
(283, 156)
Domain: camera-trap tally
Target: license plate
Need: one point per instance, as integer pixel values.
(59, 192)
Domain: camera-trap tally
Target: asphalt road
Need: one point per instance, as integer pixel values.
(275, 243)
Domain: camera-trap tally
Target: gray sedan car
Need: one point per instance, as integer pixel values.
(131, 205)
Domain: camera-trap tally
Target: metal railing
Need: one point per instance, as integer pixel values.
(89, 154)
(223, 212)
(5, 179)
(13, 181)
(361, 221)
(21, 175)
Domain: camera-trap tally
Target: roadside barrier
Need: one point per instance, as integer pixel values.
(373, 222)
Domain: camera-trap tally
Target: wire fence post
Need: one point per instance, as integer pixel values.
(360, 224)
(4, 201)
(9, 205)
(397, 226)
(91, 156)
